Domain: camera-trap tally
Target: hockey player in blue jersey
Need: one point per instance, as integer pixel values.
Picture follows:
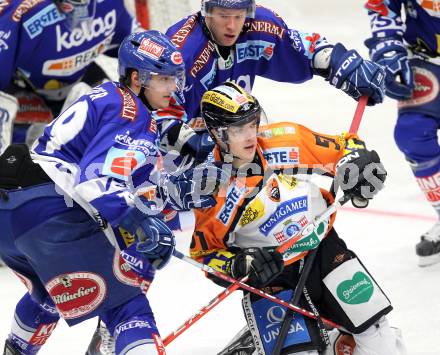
(236, 40)
(46, 48)
(65, 208)
(409, 50)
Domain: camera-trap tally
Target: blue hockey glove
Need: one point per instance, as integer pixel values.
(153, 238)
(199, 146)
(392, 54)
(356, 76)
(182, 138)
(194, 187)
(361, 175)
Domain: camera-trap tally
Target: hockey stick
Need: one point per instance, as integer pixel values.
(142, 15)
(354, 127)
(203, 311)
(249, 288)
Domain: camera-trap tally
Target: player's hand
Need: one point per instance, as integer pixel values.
(182, 138)
(261, 265)
(154, 240)
(356, 76)
(199, 145)
(393, 56)
(194, 188)
(361, 175)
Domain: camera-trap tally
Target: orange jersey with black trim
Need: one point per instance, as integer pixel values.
(273, 203)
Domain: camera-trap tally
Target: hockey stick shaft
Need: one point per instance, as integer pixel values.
(203, 311)
(360, 108)
(142, 13)
(285, 325)
(249, 288)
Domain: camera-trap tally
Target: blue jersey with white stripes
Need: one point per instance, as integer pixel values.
(100, 149)
(266, 47)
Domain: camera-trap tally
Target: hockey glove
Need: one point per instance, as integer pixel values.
(261, 265)
(392, 54)
(193, 188)
(154, 240)
(182, 138)
(361, 175)
(355, 76)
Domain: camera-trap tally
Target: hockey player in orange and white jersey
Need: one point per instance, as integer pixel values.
(268, 200)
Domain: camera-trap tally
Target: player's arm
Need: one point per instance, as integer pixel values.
(301, 55)
(387, 48)
(322, 151)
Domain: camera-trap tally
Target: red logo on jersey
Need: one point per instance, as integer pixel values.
(280, 237)
(426, 88)
(293, 155)
(180, 37)
(151, 49)
(303, 221)
(268, 52)
(77, 294)
(377, 6)
(124, 165)
(42, 333)
(123, 271)
(129, 107)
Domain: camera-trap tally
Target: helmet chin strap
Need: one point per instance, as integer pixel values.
(225, 53)
(228, 157)
(144, 100)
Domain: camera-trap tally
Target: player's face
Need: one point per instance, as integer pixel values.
(226, 24)
(159, 90)
(242, 142)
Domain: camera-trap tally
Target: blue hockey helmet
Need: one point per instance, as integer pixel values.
(78, 12)
(249, 5)
(151, 53)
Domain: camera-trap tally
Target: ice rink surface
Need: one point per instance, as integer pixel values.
(383, 236)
